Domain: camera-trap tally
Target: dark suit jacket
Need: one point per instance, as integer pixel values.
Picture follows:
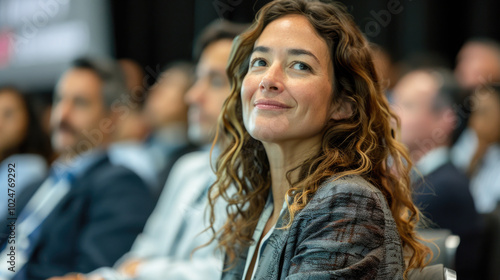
(346, 232)
(93, 225)
(444, 198)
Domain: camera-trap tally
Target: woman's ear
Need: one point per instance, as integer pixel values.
(342, 110)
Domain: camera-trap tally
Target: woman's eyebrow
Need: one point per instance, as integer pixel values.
(261, 49)
(303, 52)
(264, 49)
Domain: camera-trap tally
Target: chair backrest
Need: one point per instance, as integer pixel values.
(443, 245)
(449, 274)
(434, 272)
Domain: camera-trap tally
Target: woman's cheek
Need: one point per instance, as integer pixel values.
(248, 89)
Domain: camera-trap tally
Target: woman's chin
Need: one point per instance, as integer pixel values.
(268, 130)
(268, 135)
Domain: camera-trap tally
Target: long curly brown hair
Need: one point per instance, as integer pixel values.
(362, 144)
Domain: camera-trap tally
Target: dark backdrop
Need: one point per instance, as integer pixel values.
(154, 32)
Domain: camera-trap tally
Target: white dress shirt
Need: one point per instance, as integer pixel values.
(485, 182)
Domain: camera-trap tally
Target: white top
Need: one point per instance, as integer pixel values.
(174, 229)
(464, 149)
(485, 182)
(264, 217)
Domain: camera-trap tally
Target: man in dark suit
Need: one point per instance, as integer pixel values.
(423, 100)
(87, 213)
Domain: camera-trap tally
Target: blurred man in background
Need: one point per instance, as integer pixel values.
(131, 128)
(87, 213)
(478, 63)
(423, 100)
(164, 113)
(174, 230)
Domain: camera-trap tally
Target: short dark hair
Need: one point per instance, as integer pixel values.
(111, 75)
(215, 31)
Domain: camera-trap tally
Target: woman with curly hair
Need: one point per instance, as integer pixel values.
(316, 185)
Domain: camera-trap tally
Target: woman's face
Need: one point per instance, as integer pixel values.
(13, 120)
(287, 92)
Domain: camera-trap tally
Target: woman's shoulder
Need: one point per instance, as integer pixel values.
(351, 191)
(348, 218)
(349, 184)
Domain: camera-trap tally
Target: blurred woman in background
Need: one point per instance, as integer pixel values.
(322, 188)
(484, 168)
(22, 142)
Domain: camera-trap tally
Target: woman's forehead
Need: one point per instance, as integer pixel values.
(292, 32)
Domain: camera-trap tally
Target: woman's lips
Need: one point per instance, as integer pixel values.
(270, 105)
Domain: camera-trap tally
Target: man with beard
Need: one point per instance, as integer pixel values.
(87, 213)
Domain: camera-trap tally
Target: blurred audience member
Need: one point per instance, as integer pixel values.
(384, 66)
(23, 143)
(129, 151)
(42, 106)
(134, 77)
(163, 250)
(87, 213)
(131, 128)
(423, 100)
(166, 112)
(478, 63)
(484, 168)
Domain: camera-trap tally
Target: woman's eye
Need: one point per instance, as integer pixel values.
(258, 62)
(301, 66)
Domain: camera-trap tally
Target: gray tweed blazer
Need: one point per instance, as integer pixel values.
(346, 231)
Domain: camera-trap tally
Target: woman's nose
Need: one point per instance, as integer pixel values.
(273, 80)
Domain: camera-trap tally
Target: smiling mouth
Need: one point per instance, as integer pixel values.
(270, 105)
